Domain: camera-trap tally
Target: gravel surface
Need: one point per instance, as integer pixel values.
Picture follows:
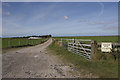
(36, 62)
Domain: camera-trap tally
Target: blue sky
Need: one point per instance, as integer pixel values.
(59, 18)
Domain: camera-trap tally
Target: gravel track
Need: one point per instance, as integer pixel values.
(36, 62)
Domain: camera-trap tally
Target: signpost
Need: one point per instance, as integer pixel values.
(106, 47)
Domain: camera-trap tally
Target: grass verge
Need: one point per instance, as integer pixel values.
(103, 68)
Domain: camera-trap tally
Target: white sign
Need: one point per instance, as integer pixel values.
(106, 47)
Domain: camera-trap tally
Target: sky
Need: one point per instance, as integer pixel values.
(59, 18)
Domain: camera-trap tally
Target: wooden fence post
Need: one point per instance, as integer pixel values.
(8, 43)
(61, 42)
(93, 49)
(19, 42)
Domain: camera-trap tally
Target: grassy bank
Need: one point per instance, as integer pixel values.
(104, 68)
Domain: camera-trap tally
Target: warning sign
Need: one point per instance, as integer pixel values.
(106, 47)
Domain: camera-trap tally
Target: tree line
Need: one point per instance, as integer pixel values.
(42, 36)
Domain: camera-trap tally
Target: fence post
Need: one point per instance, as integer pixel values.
(27, 42)
(8, 43)
(19, 42)
(74, 40)
(61, 42)
(32, 42)
(68, 45)
(93, 49)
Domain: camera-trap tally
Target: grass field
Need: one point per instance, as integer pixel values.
(96, 38)
(20, 42)
(0, 43)
(106, 67)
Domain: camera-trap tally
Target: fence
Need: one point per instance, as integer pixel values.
(7, 43)
(82, 47)
(85, 48)
(115, 46)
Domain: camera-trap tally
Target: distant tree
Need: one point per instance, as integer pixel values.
(50, 35)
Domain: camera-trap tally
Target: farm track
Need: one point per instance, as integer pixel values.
(36, 62)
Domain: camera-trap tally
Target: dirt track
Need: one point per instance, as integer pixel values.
(36, 62)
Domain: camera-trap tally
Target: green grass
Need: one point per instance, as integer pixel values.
(0, 43)
(104, 68)
(17, 42)
(96, 38)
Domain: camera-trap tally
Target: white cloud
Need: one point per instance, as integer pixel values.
(102, 8)
(10, 24)
(84, 20)
(6, 4)
(41, 15)
(54, 15)
(113, 27)
(43, 18)
(103, 23)
(96, 23)
(6, 13)
(65, 17)
(0, 19)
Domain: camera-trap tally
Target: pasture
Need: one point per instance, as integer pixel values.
(101, 62)
(96, 38)
(20, 42)
(104, 66)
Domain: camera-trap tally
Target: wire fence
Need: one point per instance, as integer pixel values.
(86, 48)
(10, 43)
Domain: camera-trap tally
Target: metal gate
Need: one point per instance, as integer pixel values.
(82, 47)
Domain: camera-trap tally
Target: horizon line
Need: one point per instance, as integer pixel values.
(63, 36)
